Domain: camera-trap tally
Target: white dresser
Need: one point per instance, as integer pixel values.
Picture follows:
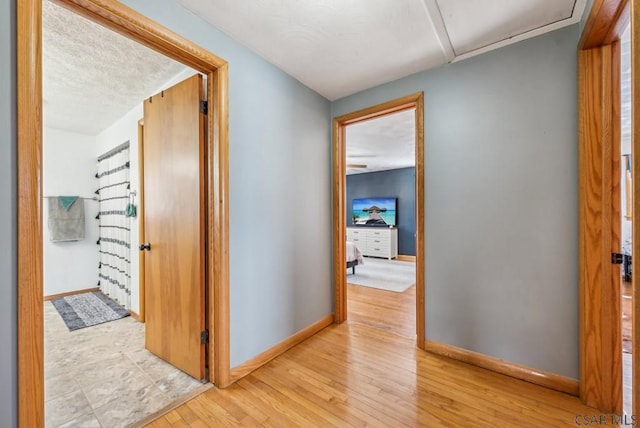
(375, 241)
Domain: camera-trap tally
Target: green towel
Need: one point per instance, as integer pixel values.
(130, 211)
(67, 201)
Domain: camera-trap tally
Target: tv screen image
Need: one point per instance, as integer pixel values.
(374, 211)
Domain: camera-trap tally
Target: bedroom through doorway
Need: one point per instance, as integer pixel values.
(380, 220)
(399, 307)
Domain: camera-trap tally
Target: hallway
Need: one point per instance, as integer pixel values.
(358, 374)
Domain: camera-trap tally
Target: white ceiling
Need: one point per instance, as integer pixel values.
(497, 19)
(339, 47)
(387, 142)
(93, 76)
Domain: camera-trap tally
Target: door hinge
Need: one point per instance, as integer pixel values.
(617, 258)
(204, 107)
(204, 337)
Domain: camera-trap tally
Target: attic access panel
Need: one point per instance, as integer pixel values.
(473, 25)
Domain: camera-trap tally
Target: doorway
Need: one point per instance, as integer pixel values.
(124, 20)
(102, 366)
(381, 250)
(409, 103)
(602, 221)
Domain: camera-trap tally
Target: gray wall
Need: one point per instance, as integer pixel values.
(8, 260)
(501, 200)
(279, 159)
(395, 183)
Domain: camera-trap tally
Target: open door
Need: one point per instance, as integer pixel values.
(174, 199)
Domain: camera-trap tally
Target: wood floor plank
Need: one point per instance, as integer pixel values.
(173, 417)
(186, 414)
(179, 423)
(368, 372)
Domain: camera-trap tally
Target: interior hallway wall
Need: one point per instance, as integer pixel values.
(8, 218)
(501, 206)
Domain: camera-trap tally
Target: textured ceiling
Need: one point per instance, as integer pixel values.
(93, 76)
(339, 47)
(387, 142)
(329, 45)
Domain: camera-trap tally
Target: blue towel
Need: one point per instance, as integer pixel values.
(67, 201)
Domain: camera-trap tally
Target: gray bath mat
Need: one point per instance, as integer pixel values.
(87, 309)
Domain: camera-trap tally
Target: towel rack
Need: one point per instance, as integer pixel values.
(79, 197)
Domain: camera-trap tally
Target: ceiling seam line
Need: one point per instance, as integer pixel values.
(435, 15)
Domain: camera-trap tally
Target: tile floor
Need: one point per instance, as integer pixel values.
(102, 376)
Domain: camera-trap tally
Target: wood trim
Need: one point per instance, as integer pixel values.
(405, 258)
(599, 206)
(135, 316)
(393, 106)
(420, 232)
(635, 150)
(339, 209)
(29, 151)
(621, 22)
(263, 358)
(124, 20)
(141, 223)
(602, 26)
(218, 227)
(614, 219)
(70, 293)
(600, 334)
(339, 226)
(518, 371)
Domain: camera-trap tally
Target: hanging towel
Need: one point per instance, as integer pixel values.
(67, 201)
(66, 224)
(131, 210)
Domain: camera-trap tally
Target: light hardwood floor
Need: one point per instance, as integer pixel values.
(368, 372)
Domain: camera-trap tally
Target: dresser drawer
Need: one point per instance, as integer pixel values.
(378, 251)
(354, 233)
(358, 240)
(378, 241)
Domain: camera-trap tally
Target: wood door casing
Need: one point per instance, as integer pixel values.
(600, 329)
(141, 309)
(174, 183)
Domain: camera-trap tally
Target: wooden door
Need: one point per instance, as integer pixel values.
(174, 226)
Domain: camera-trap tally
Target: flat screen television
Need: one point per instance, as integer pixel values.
(374, 212)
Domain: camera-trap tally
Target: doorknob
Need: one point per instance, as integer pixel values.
(146, 246)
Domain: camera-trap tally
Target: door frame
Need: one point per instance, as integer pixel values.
(135, 26)
(141, 224)
(414, 101)
(598, 132)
